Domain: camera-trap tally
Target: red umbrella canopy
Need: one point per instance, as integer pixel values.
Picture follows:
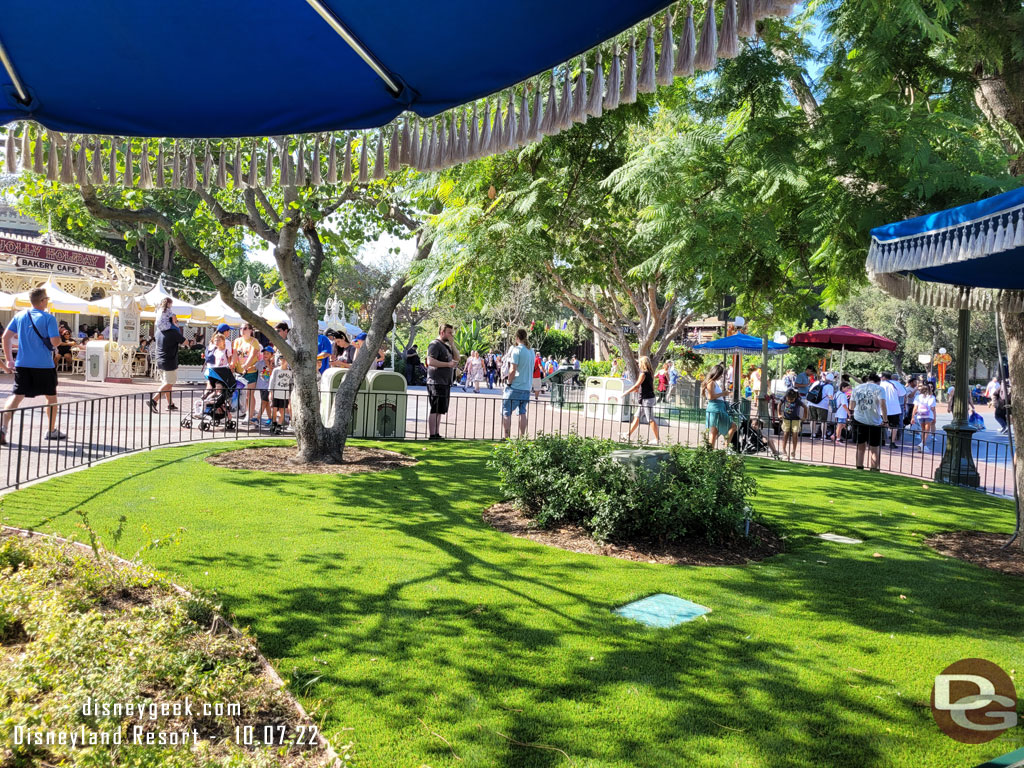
(843, 336)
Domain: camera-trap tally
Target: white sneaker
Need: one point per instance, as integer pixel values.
(56, 435)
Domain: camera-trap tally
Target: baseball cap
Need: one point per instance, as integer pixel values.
(268, 349)
(223, 328)
(359, 337)
(830, 377)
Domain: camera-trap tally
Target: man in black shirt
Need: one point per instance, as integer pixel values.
(412, 362)
(168, 341)
(442, 359)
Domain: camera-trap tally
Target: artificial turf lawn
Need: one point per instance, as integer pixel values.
(385, 597)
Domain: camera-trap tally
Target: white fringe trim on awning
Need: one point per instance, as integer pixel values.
(981, 237)
(602, 79)
(947, 296)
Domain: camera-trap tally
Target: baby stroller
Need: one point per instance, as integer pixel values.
(214, 407)
(749, 437)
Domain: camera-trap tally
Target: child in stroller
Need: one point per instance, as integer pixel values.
(214, 407)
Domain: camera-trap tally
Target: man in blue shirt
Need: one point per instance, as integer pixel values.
(324, 350)
(34, 371)
(520, 382)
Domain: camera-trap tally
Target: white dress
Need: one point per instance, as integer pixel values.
(475, 370)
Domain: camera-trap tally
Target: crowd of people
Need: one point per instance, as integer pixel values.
(249, 363)
(881, 410)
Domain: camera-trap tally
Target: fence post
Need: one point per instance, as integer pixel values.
(21, 431)
(92, 423)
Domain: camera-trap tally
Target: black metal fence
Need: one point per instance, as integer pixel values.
(103, 427)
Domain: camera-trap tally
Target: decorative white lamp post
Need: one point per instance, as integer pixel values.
(739, 323)
(249, 293)
(780, 338)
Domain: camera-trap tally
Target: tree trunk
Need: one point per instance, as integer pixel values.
(380, 324)
(1000, 97)
(1013, 331)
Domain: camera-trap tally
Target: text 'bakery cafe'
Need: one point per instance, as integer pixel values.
(105, 309)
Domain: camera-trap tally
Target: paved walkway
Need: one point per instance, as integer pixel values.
(104, 420)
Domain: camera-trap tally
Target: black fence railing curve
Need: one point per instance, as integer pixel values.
(104, 427)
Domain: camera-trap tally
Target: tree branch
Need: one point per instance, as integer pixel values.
(256, 221)
(316, 258)
(186, 249)
(270, 210)
(227, 219)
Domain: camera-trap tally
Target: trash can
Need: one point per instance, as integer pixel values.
(593, 398)
(614, 409)
(329, 384)
(559, 383)
(96, 361)
(389, 400)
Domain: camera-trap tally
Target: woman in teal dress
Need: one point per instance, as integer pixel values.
(718, 419)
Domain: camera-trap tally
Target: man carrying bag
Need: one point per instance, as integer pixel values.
(34, 371)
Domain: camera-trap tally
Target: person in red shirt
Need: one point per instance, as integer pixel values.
(538, 374)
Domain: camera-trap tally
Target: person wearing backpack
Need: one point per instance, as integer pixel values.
(819, 398)
(792, 411)
(517, 374)
(34, 371)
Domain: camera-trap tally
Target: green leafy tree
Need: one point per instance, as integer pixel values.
(304, 226)
(545, 213)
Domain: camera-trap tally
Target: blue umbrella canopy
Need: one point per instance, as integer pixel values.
(431, 84)
(966, 257)
(739, 344)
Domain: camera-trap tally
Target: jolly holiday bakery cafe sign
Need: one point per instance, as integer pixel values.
(35, 255)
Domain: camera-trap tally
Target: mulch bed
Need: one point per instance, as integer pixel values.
(980, 548)
(508, 518)
(281, 460)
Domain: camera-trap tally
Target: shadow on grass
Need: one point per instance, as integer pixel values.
(493, 640)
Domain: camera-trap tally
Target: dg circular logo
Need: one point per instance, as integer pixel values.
(974, 701)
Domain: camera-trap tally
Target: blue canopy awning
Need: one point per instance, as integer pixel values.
(739, 344)
(220, 68)
(944, 247)
(955, 252)
(432, 83)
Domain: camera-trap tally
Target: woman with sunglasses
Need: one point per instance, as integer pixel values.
(247, 354)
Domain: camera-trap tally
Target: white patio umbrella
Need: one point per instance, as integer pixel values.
(6, 301)
(111, 305)
(273, 314)
(182, 309)
(215, 312)
(60, 300)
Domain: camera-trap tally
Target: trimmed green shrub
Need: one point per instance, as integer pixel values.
(558, 343)
(569, 479)
(191, 356)
(596, 367)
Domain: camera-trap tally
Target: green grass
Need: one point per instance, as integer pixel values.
(409, 615)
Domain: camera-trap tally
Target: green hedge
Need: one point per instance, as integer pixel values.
(191, 356)
(570, 479)
(596, 368)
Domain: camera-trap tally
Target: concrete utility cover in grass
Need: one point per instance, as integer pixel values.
(662, 610)
(835, 537)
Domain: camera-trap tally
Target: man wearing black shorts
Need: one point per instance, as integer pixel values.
(442, 359)
(34, 372)
(869, 414)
